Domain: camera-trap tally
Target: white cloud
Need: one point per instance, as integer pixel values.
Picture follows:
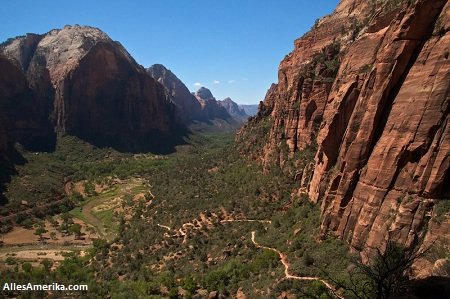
(216, 81)
(197, 84)
(244, 79)
(231, 81)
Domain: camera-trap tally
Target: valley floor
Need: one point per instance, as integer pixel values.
(201, 222)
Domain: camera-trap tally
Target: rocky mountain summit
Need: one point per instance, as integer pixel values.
(89, 86)
(233, 109)
(200, 106)
(211, 107)
(366, 93)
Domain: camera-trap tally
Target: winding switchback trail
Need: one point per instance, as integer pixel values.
(164, 226)
(283, 257)
(246, 220)
(286, 268)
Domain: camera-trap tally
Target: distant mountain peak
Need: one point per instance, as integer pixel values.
(251, 109)
(233, 109)
(188, 105)
(158, 68)
(204, 93)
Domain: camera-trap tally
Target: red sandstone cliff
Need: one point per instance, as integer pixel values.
(89, 86)
(22, 118)
(210, 106)
(367, 91)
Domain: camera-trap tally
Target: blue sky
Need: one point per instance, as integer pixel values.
(233, 47)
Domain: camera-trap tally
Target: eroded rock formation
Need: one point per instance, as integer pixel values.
(24, 119)
(21, 119)
(199, 106)
(233, 109)
(367, 89)
(210, 106)
(89, 86)
(188, 106)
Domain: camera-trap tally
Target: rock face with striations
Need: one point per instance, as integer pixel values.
(211, 107)
(8, 90)
(92, 88)
(192, 107)
(367, 91)
(23, 118)
(188, 106)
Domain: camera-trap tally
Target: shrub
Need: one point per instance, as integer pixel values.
(308, 260)
(441, 209)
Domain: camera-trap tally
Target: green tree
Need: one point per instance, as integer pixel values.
(67, 219)
(76, 230)
(100, 245)
(386, 275)
(27, 223)
(53, 222)
(173, 293)
(308, 260)
(39, 232)
(189, 285)
(47, 264)
(77, 197)
(27, 267)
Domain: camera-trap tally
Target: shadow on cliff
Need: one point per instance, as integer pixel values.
(215, 125)
(153, 142)
(434, 287)
(12, 157)
(7, 169)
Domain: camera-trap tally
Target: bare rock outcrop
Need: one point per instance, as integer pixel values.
(210, 106)
(90, 87)
(233, 109)
(367, 89)
(393, 159)
(23, 119)
(200, 106)
(189, 107)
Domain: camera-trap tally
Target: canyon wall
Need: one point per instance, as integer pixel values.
(366, 92)
(190, 109)
(23, 120)
(238, 113)
(210, 106)
(190, 106)
(88, 85)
